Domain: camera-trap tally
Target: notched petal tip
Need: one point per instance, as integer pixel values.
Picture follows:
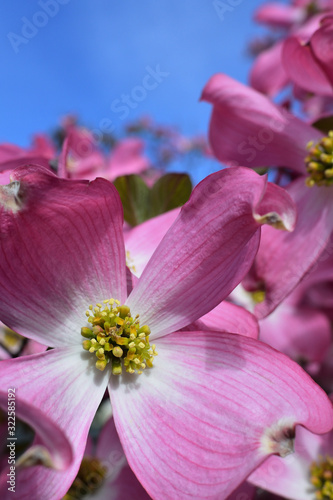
(10, 197)
(273, 219)
(36, 455)
(276, 208)
(279, 438)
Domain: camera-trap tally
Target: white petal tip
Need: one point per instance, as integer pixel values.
(279, 439)
(273, 219)
(36, 455)
(9, 197)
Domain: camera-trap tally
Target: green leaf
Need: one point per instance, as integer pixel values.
(170, 191)
(141, 203)
(135, 197)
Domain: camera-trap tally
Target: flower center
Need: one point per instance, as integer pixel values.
(116, 337)
(322, 478)
(90, 478)
(319, 162)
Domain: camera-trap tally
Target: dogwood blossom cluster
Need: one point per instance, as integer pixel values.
(185, 353)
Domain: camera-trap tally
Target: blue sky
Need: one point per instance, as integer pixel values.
(89, 54)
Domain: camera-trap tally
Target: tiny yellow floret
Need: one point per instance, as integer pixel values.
(319, 162)
(115, 337)
(321, 478)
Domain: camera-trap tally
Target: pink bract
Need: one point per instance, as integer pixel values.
(247, 127)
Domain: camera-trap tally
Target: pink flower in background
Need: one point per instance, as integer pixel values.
(12, 156)
(301, 332)
(310, 65)
(304, 475)
(249, 129)
(13, 344)
(81, 159)
(276, 15)
(232, 390)
(268, 73)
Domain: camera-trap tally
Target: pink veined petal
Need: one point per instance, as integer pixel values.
(142, 241)
(52, 437)
(205, 253)
(267, 74)
(285, 258)
(280, 16)
(62, 249)
(303, 68)
(63, 386)
(210, 410)
(289, 477)
(301, 333)
(127, 158)
(246, 128)
(228, 317)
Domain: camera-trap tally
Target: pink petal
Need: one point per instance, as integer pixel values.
(303, 68)
(322, 46)
(205, 253)
(228, 317)
(142, 241)
(284, 258)
(62, 250)
(280, 16)
(301, 333)
(127, 158)
(210, 410)
(59, 386)
(267, 74)
(289, 477)
(247, 129)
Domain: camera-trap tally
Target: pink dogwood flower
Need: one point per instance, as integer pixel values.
(198, 418)
(247, 128)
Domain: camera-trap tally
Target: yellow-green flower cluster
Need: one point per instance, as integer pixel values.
(322, 479)
(116, 337)
(89, 479)
(319, 162)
